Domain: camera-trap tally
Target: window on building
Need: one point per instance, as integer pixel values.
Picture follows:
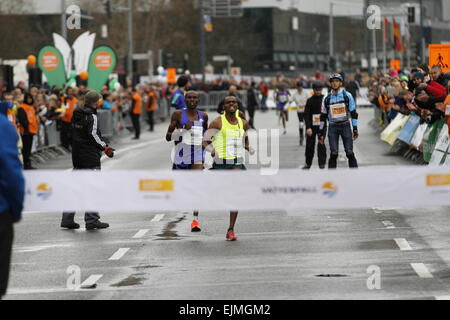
(302, 57)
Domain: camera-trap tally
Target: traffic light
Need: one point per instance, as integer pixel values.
(411, 15)
(7, 77)
(186, 62)
(332, 63)
(108, 8)
(167, 60)
(34, 77)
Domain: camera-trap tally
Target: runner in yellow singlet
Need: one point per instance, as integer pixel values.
(229, 142)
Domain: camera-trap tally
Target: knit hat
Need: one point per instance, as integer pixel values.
(419, 75)
(91, 98)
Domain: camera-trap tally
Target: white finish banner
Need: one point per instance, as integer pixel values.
(147, 191)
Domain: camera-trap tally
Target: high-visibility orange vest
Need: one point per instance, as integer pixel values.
(137, 103)
(32, 119)
(152, 107)
(383, 105)
(11, 117)
(69, 110)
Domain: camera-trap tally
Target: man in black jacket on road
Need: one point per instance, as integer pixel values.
(252, 103)
(87, 148)
(312, 122)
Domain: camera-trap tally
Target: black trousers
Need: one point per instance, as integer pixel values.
(150, 119)
(6, 240)
(136, 125)
(301, 124)
(310, 149)
(89, 217)
(27, 141)
(251, 116)
(66, 134)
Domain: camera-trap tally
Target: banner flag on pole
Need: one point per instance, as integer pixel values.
(398, 46)
(101, 63)
(51, 62)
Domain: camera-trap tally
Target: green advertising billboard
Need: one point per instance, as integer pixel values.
(101, 63)
(51, 62)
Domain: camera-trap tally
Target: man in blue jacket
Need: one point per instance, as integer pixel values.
(337, 109)
(12, 192)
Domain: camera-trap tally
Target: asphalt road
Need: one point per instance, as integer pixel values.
(310, 254)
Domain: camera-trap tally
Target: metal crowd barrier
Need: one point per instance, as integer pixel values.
(53, 135)
(105, 122)
(48, 139)
(162, 111)
(210, 101)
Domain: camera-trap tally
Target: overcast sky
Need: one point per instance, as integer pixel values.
(347, 7)
(343, 7)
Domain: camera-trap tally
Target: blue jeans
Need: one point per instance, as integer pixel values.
(263, 103)
(343, 130)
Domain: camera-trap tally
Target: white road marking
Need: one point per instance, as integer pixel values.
(421, 270)
(91, 281)
(119, 254)
(158, 217)
(442, 297)
(140, 233)
(403, 244)
(388, 224)
(381, 209)
(39, 248)
(137, 146)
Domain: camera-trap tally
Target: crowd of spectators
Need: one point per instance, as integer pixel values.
(421, 90)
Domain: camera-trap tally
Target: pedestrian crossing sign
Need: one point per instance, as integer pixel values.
(440, 56)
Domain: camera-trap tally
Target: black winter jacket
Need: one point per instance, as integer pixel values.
(313, 106)
(87, 143)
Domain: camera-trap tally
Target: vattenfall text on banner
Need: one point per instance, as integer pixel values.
(127, 191)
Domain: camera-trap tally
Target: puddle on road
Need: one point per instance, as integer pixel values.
(133, 280)
(146, 267)
(169, 233)
(377, 245)
(331, 275)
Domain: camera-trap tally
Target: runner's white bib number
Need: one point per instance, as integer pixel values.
(194, 136)
(316, 120)
(282, 99)
(301, 109)
(447, 110)
(338, 110)
(234, 147)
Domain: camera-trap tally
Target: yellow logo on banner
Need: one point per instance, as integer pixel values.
(156, 185)
(44, 191)
(436, 180)
(329, 189)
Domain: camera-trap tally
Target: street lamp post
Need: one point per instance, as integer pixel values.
(316, 46)
(331, 32)
(422, 34)
(129, 10)
(130, 39)
(202, 40)
(63, 19)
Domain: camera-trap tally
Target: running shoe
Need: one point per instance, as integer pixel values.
(195, 227)
(284, 132)
(231, 236)
(97, 225)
